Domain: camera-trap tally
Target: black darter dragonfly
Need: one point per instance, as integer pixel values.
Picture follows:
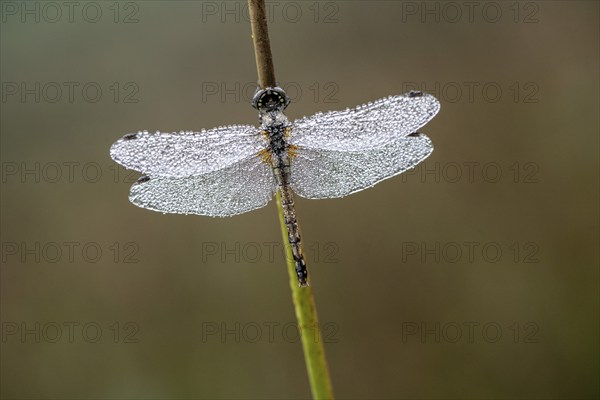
(234, 169)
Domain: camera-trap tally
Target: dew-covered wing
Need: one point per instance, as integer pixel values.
(322, 174)
(365, 127)
(187, 153)
(241, 187)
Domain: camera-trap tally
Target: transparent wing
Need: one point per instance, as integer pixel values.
(321, 174)
(187, 153)
(365, 127)
(241, 187)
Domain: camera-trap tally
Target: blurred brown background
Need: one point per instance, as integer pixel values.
(475, 276)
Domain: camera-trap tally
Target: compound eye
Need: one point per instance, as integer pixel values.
(282, 97)
(271, 99)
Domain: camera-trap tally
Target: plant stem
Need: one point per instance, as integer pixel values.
(304, 304)
(262, 44)
(308, 324)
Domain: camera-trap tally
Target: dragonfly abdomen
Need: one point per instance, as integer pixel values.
(281, 169)
(289, 213)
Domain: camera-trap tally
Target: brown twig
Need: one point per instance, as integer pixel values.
(262, 44)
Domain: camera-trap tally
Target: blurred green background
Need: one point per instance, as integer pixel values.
(474, 276)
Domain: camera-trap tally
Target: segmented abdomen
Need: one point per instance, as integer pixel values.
(281, 169)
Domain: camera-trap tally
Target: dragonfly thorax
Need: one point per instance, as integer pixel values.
(277, 132)
(273, 119)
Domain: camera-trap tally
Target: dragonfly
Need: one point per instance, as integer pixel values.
(234, 169)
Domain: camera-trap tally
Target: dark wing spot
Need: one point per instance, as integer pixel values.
(130, 136)
(415, 93)
(414, 134)
(142, 179)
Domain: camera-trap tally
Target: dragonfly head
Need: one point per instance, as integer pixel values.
(270, 99)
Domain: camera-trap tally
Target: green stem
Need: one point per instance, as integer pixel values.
(308, 323)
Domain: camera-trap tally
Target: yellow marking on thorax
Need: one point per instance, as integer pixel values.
(293, 150)
(266, 157)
